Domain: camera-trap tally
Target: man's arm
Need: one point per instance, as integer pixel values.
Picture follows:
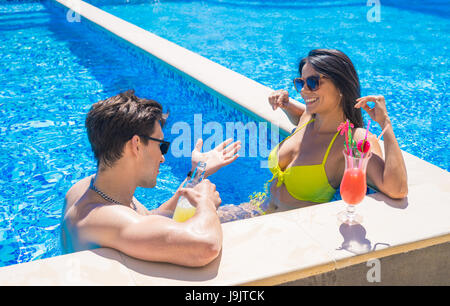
(221, 156)
(167, 208)
(194, 243)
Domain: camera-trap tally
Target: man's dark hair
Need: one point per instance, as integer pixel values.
(337, 67)
(112, 122)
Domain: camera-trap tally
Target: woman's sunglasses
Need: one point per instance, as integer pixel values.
(312, 82)
(164, 146)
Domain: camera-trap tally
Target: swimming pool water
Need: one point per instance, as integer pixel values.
(51, 73)
(404, 56)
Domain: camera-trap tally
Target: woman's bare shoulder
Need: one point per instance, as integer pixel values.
(304, 118)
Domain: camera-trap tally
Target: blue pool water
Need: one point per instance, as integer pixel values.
(52, 71)
(404, 56)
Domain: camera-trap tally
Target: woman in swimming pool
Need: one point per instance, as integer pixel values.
(308, 166)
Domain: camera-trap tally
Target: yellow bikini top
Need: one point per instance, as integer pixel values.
(304, 183)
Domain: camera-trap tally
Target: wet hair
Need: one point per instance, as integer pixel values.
(112, 122)
(338, 68)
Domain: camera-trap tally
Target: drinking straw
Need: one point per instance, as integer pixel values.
(349, 132)
(346, 138)
(350, 137)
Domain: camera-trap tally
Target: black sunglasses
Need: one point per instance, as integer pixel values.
(312, 82)
(164, 146)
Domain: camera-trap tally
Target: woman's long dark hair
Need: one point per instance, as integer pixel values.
(337, 67)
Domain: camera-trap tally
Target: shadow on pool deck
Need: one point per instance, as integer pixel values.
(399, 204)
(172, 271)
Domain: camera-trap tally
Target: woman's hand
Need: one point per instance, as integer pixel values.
(279, 98)
(378, 113)
(222, 155)
(292, 108)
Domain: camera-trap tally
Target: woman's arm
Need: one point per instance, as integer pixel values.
(292, 108)
(388, 175)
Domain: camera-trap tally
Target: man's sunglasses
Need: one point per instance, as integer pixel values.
(312, 82)
(164, 146)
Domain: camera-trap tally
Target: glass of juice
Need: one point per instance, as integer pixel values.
(353, 186)
(183, 211)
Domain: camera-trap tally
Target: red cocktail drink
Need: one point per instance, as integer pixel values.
(353, 186)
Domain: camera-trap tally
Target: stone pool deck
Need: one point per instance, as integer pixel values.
(408, 240)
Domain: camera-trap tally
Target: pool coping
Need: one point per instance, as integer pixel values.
(279, 248)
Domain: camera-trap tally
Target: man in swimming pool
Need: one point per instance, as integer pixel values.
(126, 136)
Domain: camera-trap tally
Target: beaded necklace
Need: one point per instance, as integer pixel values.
(106, 197)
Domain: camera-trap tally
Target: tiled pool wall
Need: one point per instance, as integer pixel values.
(188, 85)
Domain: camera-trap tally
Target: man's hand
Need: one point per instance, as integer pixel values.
(222, 155)
(204, 192)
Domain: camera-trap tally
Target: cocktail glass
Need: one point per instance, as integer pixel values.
(353, 186)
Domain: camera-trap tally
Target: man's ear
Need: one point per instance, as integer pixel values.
(135, 144)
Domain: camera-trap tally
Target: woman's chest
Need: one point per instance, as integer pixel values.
(302, 149)
(322, 151)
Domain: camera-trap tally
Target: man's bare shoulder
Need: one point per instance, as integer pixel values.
(83, 209)
(90, 223)
(77, 191)
(88, 210)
